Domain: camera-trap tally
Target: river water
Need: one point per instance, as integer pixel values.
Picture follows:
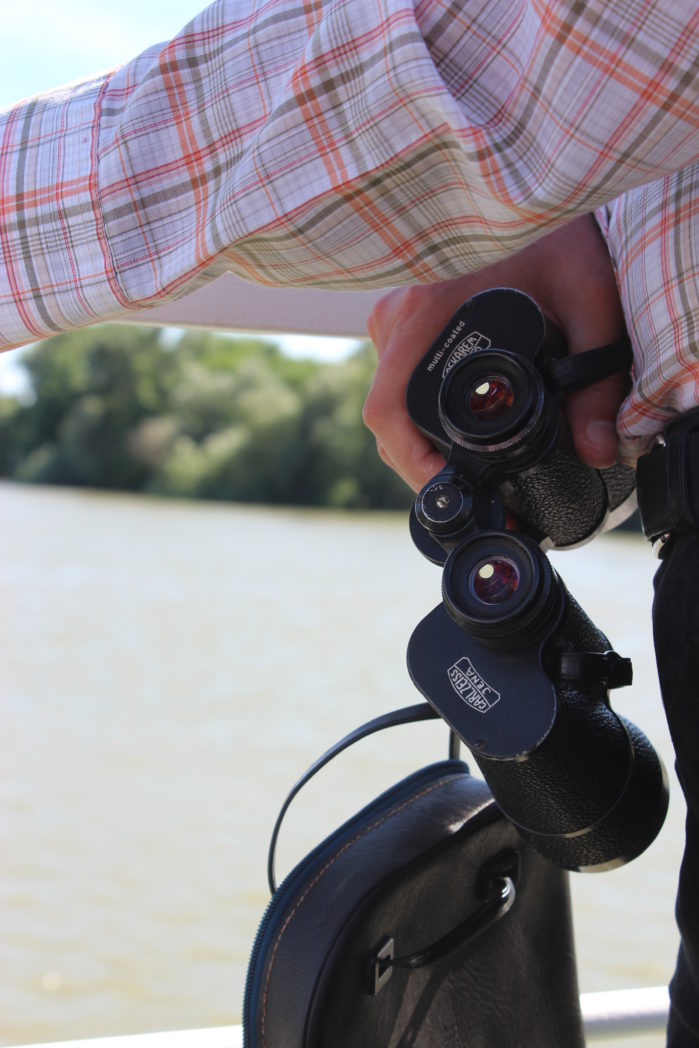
(168, 669)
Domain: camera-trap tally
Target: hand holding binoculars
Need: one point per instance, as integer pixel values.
(509, 659)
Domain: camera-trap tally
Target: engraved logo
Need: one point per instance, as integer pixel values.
(470, 686)
(464, 348)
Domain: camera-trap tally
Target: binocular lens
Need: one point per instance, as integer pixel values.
(490, 398)
(499, 586)
(494, 580)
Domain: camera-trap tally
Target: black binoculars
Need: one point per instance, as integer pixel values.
(487, 394)
(509, 659)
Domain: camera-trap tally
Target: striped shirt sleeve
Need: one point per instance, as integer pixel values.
(338, 143)
(653, 238)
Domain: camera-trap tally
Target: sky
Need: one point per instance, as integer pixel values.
(44, 44)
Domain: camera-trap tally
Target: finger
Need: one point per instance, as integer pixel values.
(384, 455)
(591, 415)
(591, 412)
(412, 457)
(583, 299)
(400, 445)
(385, 315)
(374, 326)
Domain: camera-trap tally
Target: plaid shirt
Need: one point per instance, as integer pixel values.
(341, 143)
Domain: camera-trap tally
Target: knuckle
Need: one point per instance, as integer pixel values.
(380, 316)
(381, 452)
(388, 311)
(371, 412)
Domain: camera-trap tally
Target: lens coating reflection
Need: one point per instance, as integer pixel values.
(490, 397)
(493, 581)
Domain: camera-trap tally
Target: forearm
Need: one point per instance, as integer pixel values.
(353, 144)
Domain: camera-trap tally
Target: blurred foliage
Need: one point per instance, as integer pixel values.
(208, 417)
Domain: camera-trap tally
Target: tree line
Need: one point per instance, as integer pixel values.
(203, 416)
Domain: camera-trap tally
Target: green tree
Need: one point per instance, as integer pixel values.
(89, 390)
(344, 467)
(208, 416)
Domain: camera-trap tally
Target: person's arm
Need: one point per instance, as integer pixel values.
(339, 144)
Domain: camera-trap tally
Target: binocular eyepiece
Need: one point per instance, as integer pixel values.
(509, 659)
(499, 587)
(494, 403)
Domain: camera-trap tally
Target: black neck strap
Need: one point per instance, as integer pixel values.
(421, 711)
(568, 374)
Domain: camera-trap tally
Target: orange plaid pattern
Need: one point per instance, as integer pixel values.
(653, 238)
(340, 143)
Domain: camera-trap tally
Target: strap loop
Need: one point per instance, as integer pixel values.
(499, 877)
(589, 667)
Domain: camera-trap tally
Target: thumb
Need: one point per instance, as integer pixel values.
(581, 297)
(591, 415)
